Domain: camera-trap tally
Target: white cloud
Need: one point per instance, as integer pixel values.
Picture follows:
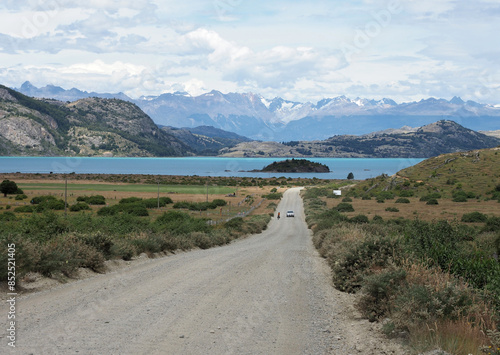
(287, 48)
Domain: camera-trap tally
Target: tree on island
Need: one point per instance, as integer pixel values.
(8, 187)
(350, 176)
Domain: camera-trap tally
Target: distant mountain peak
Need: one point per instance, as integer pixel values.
(457, 101)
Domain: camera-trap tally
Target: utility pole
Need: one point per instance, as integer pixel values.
(65, 195)
(158, 181)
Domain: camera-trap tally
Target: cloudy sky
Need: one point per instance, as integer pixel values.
(300, 50)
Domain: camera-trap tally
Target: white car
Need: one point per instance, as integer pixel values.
(290, 214)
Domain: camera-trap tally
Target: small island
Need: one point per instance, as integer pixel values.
(295, 166)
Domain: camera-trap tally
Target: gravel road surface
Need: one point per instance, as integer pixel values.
(269, 293)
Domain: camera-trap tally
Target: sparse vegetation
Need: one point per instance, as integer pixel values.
(436, 281)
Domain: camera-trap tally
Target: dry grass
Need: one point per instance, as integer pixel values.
(446, 209)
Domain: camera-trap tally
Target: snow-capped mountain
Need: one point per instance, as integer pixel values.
(254, 116)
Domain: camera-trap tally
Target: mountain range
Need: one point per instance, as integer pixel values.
(258, 118)
(437, 138)
(96, 126)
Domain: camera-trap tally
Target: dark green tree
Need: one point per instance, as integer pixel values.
(8, 187)
(350, 176)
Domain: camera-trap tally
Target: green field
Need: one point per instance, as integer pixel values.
(180, 189)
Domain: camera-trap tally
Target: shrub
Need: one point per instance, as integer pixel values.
(8, 216)
(79, 206)
(386, 195)
(474, 217)
(40, 199)
(24, 209)
(66, 255)
(153, 202)
(378, 291)
(314, 202)
(460, 199)
(361, 259)
(315, 192)
(130, 200)
(402, 200)
(235, 223)
(219, 202)
(107, 211)
(392, 209)
(273, 196)
(377, 218)
(492, 224)
(99, 241)
(360, 218)
(432, 201)
(431, 196)
(347, 199)
(344, 207)
(406, 193)
(123, 249)
(20, 197)
(180, 223)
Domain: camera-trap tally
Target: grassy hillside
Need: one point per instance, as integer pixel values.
(475, 172)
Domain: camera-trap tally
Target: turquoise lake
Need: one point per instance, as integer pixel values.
(203, 166)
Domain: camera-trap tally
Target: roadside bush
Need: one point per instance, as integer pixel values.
(377, 292)
(361, 260)
(99, 241)
(326, 219)
(43, 227)
(316, 202)
(316, 192)
(344, 207)
(474, 217)
(79, 206)
(235, 223)
(180, 223)
(66, 254)
(402, 200)
(123, 249)
(27, 255)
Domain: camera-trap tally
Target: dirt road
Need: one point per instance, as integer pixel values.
(266, 294)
